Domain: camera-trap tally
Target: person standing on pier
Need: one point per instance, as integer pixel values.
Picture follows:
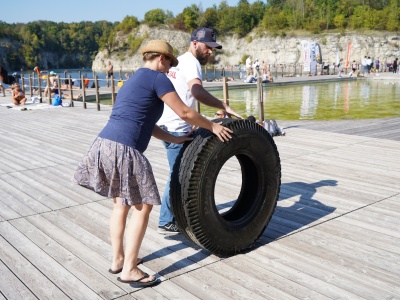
(395, 65)
(110, 72)
(187, 80)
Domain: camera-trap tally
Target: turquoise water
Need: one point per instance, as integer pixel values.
(358, 99)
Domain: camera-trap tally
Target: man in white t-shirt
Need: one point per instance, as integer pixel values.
(364, 69)
(187, 80)
(249, 66)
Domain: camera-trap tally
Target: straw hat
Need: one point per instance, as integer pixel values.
(162, 47)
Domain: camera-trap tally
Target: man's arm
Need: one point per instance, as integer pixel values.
(201, 95)
(198, 91)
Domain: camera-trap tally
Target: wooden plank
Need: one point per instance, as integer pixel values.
(9, 209)
(49, 182)
(151, 293)
(89, 221)
(73, 264)
(23, 183)
(357, 220)
(265, 282)
(76, 246)
(86, 237)
(24, 270)
(359, 234)
(342, 189)
(167, 290)
(382, 267)
(65, 175)
(16, 194)
(199, 288)
(318, 263)
(11, 287)
(64, 280)
(299, 272)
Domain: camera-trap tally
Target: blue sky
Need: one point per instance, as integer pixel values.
(24, 11)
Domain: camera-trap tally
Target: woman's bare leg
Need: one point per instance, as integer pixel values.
(117, 229)
(134, 236)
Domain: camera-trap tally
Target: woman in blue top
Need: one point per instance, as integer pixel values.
(115, 166)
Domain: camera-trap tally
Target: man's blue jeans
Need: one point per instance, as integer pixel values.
(166, 215)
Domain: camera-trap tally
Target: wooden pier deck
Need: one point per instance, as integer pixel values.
(334, 235)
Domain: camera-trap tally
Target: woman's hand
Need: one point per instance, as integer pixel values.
(183, 138)
(223, 133)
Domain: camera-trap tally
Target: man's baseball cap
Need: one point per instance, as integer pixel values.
(206, 36)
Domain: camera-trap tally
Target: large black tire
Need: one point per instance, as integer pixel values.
(193, 183)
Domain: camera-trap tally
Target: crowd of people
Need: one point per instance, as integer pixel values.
(255, 69)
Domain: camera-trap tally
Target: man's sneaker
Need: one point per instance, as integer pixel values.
(170, 228)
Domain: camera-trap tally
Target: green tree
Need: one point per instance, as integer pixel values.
(188, 19)
(358, 16)
(128, 24)
(190, 16)
(393, 16)
(108, 41)
(209, 18)
(340, 21)
(226, 16)
(257, 10)
(243, 20)
(155, 16)
(274, 19)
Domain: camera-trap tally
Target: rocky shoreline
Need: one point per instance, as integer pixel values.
(384, 46)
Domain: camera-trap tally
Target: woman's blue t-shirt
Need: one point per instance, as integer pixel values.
(137, 109)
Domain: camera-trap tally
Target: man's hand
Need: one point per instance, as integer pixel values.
(230, 112)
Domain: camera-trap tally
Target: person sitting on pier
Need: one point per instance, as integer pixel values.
(18, 95)
(267, 77)
(86, 81)
(1, 86)
(250, 79)
(251, 118)
(220, 114)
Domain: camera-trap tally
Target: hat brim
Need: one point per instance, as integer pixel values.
(147, 49)
(174, 60)
(213, 45)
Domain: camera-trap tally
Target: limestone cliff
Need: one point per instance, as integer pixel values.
(274, 50)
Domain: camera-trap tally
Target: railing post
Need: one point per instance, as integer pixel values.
(70, 90)
(59, 87)
(260, 99)
(96, 85)
(225, 90)
(48, 88)
(23, 82)
(83, 93)
(31, 87)
(39, 85)
(112, 90)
